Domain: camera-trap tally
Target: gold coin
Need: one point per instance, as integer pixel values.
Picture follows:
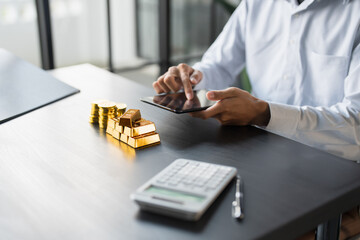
(94, 105)
(107, 104)
(103, 113)
(121, 106)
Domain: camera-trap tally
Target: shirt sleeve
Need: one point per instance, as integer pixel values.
(224, 60)
(335, 129)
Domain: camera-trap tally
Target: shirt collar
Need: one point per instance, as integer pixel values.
(306, 3)
(343, 1)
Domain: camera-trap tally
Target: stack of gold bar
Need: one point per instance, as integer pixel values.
(133, 130)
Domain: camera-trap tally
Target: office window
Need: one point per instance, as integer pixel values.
(18, 29)
(80, 32)
(148, 29)
(194, 26)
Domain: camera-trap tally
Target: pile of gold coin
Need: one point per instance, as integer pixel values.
(94, 114)
(106, 111)
(103, 110)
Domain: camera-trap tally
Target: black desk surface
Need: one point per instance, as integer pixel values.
(61, 178)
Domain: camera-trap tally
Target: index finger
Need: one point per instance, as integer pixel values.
(185, 72)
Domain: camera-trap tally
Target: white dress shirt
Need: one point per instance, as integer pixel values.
(304, 60)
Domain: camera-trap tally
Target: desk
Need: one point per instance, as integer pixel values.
(62, 178)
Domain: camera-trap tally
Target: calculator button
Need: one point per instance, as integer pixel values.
(161, 180)
(173, 182)
(165, 177)
(193, 164)
(211, 186)
(225, 169)
(200, 184)
(186, 182)
(180, 175)
(181, 163)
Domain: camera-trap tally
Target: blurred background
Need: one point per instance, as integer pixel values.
(138, 39)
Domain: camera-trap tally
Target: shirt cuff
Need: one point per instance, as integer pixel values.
(284, 119)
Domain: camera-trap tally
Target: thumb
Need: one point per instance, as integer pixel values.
(196, 77)
(221, 94)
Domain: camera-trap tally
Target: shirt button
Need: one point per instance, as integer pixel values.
(285, 77)
(297, 15)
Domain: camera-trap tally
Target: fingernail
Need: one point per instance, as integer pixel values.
(193, 80)
(189, 96)
(211, 95)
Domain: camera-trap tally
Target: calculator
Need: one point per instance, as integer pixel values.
(184, 189)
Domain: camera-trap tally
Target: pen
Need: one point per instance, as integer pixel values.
(237, 204)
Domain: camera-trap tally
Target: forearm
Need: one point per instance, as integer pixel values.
(334, 129)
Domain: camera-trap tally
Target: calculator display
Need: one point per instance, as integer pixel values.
(174, 194)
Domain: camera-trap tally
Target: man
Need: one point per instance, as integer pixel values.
(303, 62)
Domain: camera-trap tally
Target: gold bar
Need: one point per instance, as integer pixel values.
(118, 127)
(109, 130)
(139, 128)
(116, 134)
(130, 117)
(124, 138)
(113, 140)
(111, 123)
(144, 140)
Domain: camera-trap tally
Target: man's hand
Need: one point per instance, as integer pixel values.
(176, 78)
(236, 107)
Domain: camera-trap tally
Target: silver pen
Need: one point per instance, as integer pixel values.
(237, 204)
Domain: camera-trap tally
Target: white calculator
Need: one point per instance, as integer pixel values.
(184, 189)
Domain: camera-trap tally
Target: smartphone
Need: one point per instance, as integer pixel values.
(178, 103)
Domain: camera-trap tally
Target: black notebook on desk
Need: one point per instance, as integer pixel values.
(25, 87)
